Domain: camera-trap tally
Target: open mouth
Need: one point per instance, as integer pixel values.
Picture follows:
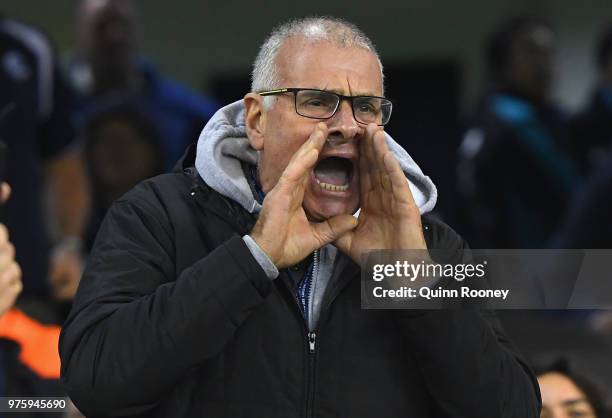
(334, 174)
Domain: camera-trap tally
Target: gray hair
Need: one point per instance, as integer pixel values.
(339, 32)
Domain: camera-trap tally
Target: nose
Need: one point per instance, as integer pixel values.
(342, 126)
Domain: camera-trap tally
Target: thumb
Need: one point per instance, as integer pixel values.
(333, 228)
(343, 243)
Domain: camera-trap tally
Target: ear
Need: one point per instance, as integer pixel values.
(255, 120)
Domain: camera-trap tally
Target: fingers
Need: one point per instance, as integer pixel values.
(333, 228)
(17, 286)
(10, 286)
(368, 169)
(5, 192)
(392, 178)
(304, 158)
(8, 295)
(4, 234)
(344, 242)
(7, 255)
(397, 180)
(365, 177)
(10, 272)
(10, 275)
(381, 152)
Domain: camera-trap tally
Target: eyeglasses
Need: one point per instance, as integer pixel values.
(322, 104)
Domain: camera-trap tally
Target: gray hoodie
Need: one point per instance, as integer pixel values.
(221, 149)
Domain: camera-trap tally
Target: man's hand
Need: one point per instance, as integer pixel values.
(10, 272)
(283, 231)
(389, 217)
(66, 271)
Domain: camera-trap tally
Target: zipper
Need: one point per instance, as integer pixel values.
(311, 343)
(315, 269)
(312, 339)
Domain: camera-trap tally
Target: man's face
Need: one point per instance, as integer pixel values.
(333, 185)
(107, 32)
(121, 156)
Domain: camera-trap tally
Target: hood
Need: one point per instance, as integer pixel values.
(223, 147)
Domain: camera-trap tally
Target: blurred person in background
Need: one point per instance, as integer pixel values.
(44, 165)
(29, 361)
(122, 148)
(588, 223)
(513, 171)
(591, 129)
(108, 62)
(567, 394)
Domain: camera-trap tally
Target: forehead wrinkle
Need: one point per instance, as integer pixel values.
(341, 91)
(288, 54)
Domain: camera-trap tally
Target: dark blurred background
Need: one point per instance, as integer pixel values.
(198, 41)
(464, 108)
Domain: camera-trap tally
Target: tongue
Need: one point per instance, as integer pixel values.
(332, 171)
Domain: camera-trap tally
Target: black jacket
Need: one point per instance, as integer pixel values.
(175, 318)
(591, 133)
(514, 175)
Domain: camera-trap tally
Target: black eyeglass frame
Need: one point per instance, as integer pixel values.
(296, 90)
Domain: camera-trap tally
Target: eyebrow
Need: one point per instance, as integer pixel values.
(571, 402)
(341, 92)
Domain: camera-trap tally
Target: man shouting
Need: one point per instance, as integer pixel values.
(230, 288)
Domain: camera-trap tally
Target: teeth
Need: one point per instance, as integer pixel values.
(332, 187)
